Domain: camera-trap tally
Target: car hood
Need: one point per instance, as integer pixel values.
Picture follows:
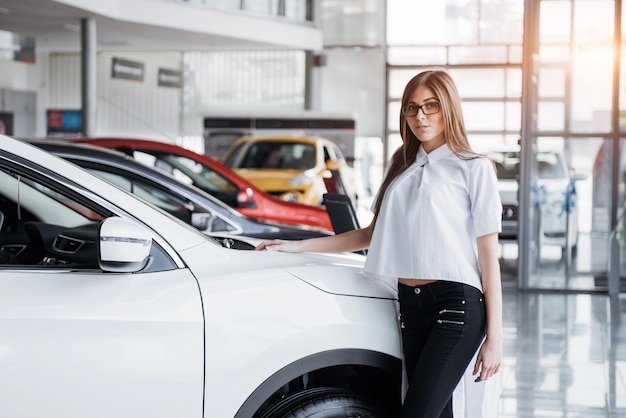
(338, 274)
(341, 279)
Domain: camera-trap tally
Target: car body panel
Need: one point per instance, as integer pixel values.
(263, 349)
(259, 204)
(69, 339)
(196, 336)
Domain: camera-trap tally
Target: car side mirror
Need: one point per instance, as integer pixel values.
(124, 246)
(579, 176)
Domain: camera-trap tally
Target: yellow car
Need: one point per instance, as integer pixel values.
(293, 168)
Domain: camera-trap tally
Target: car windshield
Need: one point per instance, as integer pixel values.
(549, 165)
(279, 155)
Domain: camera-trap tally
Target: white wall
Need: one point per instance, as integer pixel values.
(123, 107)
(140, 109)
(20, 76)
(20, 80)
(353, 81)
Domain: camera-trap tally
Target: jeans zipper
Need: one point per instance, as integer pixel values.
(451, 311)
(448, 321)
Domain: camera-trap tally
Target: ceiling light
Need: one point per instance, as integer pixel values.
(70, 27)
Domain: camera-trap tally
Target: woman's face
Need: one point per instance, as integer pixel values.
(427, 128)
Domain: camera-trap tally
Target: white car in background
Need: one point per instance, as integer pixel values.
(553, 192)
(110, 307)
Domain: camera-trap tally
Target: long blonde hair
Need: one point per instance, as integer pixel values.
(455, 135)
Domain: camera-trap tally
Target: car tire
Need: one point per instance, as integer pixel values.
(325, 403)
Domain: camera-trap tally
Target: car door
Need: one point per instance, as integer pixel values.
(79, 342)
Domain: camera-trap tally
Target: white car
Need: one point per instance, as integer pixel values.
(110, 307)
(553, 192)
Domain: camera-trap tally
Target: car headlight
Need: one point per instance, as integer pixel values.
(301, 179)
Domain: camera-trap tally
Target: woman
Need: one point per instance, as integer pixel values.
(436, 221)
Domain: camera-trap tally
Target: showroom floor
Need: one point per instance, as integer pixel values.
(564, 355)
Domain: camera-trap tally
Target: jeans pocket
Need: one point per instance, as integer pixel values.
(448, 291)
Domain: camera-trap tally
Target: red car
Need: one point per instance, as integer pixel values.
(218, 180)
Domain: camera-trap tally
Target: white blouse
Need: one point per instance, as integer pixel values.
(431, 216)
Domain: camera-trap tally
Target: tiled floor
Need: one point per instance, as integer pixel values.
(564, 355)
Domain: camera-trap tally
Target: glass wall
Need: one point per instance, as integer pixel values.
(573, 113)
(546, 113)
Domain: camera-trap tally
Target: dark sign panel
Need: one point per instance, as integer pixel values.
(126, 69)
(6, 123)
(221, 132)
(170, 78)
(227, 123)
(62, 122)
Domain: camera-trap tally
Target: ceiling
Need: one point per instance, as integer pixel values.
(55, 25)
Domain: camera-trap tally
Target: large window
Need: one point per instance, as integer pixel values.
(565, 102)
(480, 43)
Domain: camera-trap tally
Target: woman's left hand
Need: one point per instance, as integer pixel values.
(488, 360)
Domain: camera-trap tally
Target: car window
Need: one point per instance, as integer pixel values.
(331, 152)
(24, 199)
(235, 155)
(148, 193)
(279, 155)
(176, 205)
(45, 225)
(193, 173)
(337, 151)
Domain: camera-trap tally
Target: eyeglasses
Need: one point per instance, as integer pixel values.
(429, 108)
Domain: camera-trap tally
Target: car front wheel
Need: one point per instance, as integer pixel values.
(325, 403)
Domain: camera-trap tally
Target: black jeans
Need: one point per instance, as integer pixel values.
(443, 324)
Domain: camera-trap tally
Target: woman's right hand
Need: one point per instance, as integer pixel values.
(278, 245)
(357, 239)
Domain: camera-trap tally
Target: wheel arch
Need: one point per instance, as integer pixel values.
(366, 372)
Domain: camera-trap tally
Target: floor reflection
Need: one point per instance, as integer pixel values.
(550, 268)
(564, 355)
